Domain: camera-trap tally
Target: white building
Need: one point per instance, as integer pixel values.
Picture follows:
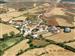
(35, 35)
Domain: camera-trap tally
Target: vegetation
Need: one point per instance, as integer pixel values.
(22, 9)
(0, 20)
(45, 22)
(9, 41)
(66, 47)
(5, 36)
(20, 51)
(3, 10)
(34, 43)
(1, 52)
(41, 42)
(31, 17)
(12, 34)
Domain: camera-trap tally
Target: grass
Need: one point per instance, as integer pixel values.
(8, 42)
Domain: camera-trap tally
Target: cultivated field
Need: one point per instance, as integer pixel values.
(72, 44)
(8, 16)
(50, 50)
(15, 49)
(61, 37)
(55, 11)
(6, 29)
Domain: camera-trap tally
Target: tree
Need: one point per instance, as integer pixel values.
(4, 45)
(20, 51)
(18, 35)
(5, 36)
(22, 9)
(12, 34)
(1, 52)
(0, 20)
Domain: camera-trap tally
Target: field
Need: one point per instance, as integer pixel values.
(72, 44)
(47, 43)
(8, 42)
(62, 37)
(50, 50)
(10, 15)
(6, 29)
(15, 49)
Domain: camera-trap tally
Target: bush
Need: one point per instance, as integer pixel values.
(12, 34)
(66, 47)
(18, 35)
(20, 51)
(5, 36)
(4, 45)
(1, 52)
(22, 9)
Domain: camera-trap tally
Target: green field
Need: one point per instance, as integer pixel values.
(8, 43)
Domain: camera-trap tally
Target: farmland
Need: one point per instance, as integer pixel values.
(7, 29)
(28, 34)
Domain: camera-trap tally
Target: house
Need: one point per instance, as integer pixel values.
(35, 35)
(16, 21)
(53, 29)
(12, 22)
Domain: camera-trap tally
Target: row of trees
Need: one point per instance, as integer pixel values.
(3, 10)
(10, 35)
(7, 37)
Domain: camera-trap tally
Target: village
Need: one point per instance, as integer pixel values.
(23, 23)
(43, 26)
